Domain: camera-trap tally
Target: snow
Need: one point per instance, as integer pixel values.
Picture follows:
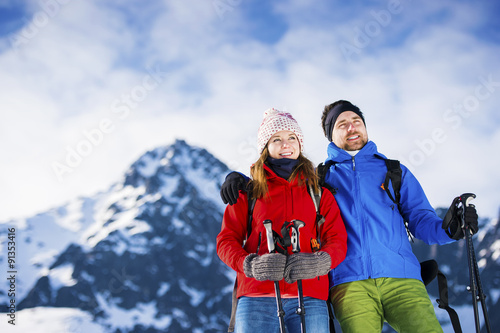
(51, 320)
(142, 314)
(149, 165)
(202, 253)
(40, 239)
(44, 258)
(138, 244)
(208, 188)
(123, 220)
(182, 318)
(61, 276)
(71, 216)
(139, 227)
(164, 288)
(169, 186)
(495, 294)
(465, 314)
(89, 278)
(165, 210)
(495, 248)
(197, 296)
(126, 196)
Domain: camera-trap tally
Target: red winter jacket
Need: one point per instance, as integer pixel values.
(286, 202)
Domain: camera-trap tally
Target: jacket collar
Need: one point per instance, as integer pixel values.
(338, 155)
(272, 176)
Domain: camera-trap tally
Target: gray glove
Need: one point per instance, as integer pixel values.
(303, 266)
(270, 266)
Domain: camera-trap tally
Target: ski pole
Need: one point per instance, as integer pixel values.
(301, 310)
(475, 281)
(270, 245)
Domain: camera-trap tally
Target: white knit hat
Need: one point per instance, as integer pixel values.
(275, 121)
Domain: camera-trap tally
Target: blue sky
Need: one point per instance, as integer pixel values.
(89, 86)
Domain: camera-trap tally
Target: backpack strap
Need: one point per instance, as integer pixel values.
(322, 169)
(251, 205)
(234, 300)
(320, 219)
(429, 270)
(316, 197)
(394, 175)
(443, 302)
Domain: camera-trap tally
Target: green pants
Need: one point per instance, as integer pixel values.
(363, 306)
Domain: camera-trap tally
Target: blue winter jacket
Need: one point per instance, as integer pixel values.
(377, 242)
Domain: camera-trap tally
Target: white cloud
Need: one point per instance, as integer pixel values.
(91, 63)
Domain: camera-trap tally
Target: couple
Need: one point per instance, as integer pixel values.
(365, 265)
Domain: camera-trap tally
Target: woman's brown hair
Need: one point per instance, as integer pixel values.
(305, 172)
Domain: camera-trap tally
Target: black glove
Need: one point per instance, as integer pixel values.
(229, 191)
(452, 222)
(270, 266)
(303, 266)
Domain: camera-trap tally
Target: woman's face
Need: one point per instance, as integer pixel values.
(284, 144)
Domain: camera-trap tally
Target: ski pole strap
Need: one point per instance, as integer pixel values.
(443, 302)
(234, 301)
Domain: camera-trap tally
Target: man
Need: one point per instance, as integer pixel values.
(379, 280)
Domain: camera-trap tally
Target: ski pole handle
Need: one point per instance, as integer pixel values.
(301, 311)
(268, 224)
(296, 225)
(466, 198)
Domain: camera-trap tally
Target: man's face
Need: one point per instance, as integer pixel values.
(349, 132)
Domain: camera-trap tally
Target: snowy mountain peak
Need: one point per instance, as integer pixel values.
(143, 250)
(169, 160)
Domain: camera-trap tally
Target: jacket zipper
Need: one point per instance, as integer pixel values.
(367, 263)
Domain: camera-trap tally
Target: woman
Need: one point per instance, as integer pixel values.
(280, 181)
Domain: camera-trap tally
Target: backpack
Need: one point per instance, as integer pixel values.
(428, 269)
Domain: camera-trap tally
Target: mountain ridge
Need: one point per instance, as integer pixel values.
(145, 245)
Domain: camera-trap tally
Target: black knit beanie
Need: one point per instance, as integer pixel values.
(334, 113)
